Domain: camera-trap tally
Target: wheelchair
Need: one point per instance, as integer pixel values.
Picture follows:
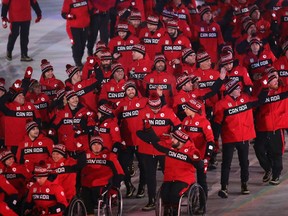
(76, 207)
(194, 201)
(110, 203)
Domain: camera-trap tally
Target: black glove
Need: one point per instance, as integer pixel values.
(148, 135)
(209, 149)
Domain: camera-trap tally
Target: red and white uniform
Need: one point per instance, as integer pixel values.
(240, 74)
(31, 152)
(172, 49)
(100, 169)
(113, 91)
(109, 132)
(85, 90)
(123, 47)
(50, 86)
(281, 65)
(199, 130)
(165, 80)
(150, 40)
(67, 125)
(47, 196)
(16, 117)
(210, 37)
(236, 118)
(161, 122)
(128, 111)
(66, 174)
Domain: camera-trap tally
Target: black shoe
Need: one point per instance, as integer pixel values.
(130, 190)
(26, 58)
(267, 176)
(150, 206)
(274, 181)
(244, 188)
(141, 192)
(9, 56)
(132, 170)
(223, 193)
(212, 165)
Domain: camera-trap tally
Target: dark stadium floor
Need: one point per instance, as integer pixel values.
(48, 39)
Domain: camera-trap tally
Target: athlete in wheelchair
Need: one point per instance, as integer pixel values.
(100, 196)
(179, 173)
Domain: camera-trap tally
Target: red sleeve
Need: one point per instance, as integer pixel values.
(174, 119)
(60, 195)
(207, 131)
(66, 6)
(103, 93)
(5, 210)
(218, 113)
(115, 132)
(117, 166)
(6, 186)
(246, 78)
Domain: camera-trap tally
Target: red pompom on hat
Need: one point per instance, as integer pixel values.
(154, 101)
(71, 70)
(45, 66)
(41, 169)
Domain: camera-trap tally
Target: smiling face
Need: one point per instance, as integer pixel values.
(73, 102)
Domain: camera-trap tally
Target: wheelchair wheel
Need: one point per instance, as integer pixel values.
(196, 200)
(115, 204)
(159, 208)
(77, 208)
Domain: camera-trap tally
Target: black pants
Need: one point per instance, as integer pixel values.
(170, 192)
(227, 156)
(269, 150)
(150, 167)
(79, 36)
(99, 22)
(23, 29)
(126, 158)
(90, 197)
(202, 180)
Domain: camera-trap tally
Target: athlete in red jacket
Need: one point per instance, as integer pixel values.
(34, 147)
(282, 64)
(181, 158)
(20, 17)
(234, 116)
(49, 84)
(17, 175)
(8, 194)
(198, 128)
(45, 197)
(73, 124)
(270, 119)
(101, 167)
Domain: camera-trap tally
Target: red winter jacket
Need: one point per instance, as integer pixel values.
(150, 40)
(31, 152)
(20, 10)
(109, 132)
(5, 210)
(66, 172)
(86, 91)
(236, 118)
(199, 130)
(79, 8)
(128, 111)
(272, 115)
(282, 66)
(50, 86)
(16, 117)
(163, 79)
(113, 91)
(100, 169)
(162, 123)
(6, 189)
(47, 197)
(210, 37)
(240, 74)
(72, 128)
